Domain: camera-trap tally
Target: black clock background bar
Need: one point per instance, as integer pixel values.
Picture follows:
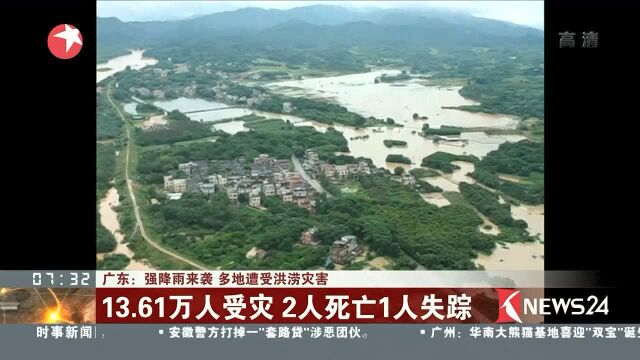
(48, 128)
(47, 279)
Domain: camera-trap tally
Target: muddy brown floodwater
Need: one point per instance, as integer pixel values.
(135, 60)
(109, 219)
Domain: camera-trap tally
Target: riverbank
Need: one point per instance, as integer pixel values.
(109, 219)
(512, 256)
(135, 60)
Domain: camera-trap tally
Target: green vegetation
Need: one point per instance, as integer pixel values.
(524, 159)
(402, 224)
(317, 110)
(238, 90)
(392, 219)
(392, 78)
(503, 80)
(493, 96)
(349, 187)
(215, 232)
(488, 204)
(456, 198)
(346, 159)
(108, 123)
(105, 53)
(105, 170)
(532, 128)
(113, 262)
(513, 233)
(271, 74)
(279, 142)
(423, 173)
(105, 242)
(172, 86)
(442, 131)
(391, 143)
(425, 187)
(179, 128)
(442, 161)
(146, 108)
(105, 167)
(398, 171)
(354, 266)
(258, 123)
(396, 158)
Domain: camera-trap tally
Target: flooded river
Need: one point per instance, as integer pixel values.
(514, 256)
(520, 256)
(533, 215)
(360, 94)
(109, 219)
(108, 216)
(400, 100)
(451, 182)
(418, 147)
(135, 59)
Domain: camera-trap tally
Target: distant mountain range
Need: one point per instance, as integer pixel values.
(324, 26)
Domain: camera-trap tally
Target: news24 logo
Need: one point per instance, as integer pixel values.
(512, 305)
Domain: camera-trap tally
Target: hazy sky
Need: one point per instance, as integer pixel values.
(529, 13)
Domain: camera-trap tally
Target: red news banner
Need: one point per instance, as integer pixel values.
(227, 297)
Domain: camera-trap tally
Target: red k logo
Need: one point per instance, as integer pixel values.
(509, 306)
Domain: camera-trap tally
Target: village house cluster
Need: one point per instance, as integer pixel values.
(220, 90)
(269, 177)
(346, 249)
(314, 167)
(343, 251)
(264, 177)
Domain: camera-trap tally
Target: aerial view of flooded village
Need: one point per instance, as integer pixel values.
(319, 136)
